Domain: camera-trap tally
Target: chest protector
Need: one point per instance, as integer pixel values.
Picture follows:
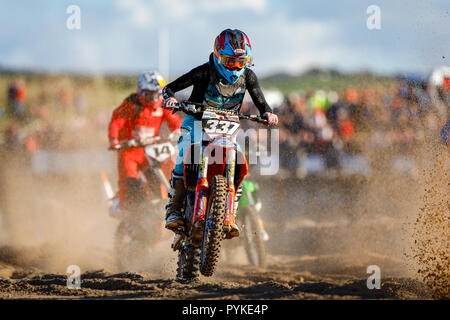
(224, 96)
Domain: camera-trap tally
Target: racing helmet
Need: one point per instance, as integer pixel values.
(150, 85)
(232, 54)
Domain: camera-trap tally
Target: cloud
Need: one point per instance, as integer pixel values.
(254, 6)
(280, 44)
(145, 14)
(140, 12)
(296, 45)
(123, 35)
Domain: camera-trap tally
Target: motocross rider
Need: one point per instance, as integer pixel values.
(139, 117)
(220, 83)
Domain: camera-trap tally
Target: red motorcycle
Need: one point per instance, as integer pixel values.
(211, 183)
(138, 231)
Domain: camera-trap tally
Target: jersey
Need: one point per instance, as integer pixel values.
(133, 120)
(209, 88)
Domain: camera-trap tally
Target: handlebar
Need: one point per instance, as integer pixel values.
(195, 108)
(133, 143)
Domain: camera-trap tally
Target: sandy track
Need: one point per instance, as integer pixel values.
(320, 277)
(323, 236)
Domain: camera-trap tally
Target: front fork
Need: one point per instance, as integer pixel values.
(200, 205)
(231, 191)
(156, 167)
(201, 192)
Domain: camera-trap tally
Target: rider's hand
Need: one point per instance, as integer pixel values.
(114, 144)
(170, 103)
(133, 143)
(272, 119)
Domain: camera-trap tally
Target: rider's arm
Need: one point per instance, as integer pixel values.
(117, 123)
(114, 128)
(196, 77)
(253, 88)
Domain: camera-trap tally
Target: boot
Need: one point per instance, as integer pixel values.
(174, 217)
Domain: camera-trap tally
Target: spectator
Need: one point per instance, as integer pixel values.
(16, 99)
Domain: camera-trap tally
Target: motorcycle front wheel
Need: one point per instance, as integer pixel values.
(213, 232)
(188, 263)
(252, 237)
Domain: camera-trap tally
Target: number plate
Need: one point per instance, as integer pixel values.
(160, 152)
(213, 124)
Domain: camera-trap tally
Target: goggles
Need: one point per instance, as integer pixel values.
(151, 96)
(234, 63)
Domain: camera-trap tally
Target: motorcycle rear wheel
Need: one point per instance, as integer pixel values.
(129, 253)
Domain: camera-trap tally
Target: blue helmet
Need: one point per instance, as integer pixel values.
(232, 54)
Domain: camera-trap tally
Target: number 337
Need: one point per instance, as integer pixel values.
(220, 126)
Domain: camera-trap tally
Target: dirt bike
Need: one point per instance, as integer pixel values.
(210, 189)
(253, 231)
(140, 230)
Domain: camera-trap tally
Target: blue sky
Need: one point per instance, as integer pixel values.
(287, 36)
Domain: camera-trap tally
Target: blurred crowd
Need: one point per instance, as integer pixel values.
(391, 118)
(55, 118)
(372, 121)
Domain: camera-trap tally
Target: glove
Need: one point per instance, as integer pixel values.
(133, 143)
(114, 144)
(271, 118)
(169, 103)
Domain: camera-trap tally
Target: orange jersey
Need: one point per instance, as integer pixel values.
(133, 119)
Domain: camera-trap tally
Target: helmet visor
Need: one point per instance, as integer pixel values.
(234, 63)
(151, 96)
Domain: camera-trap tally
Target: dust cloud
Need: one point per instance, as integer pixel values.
(53, 221)
(319, 228)
(429, 253)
